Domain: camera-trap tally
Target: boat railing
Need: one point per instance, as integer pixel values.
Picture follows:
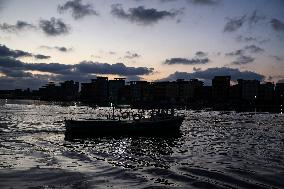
(139, 114)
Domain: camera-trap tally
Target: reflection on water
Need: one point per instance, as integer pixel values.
(214, 150)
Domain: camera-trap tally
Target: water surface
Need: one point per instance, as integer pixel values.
(214, 150)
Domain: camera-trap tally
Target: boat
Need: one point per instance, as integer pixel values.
(127, 123)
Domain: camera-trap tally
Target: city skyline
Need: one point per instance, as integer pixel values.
(140, 40)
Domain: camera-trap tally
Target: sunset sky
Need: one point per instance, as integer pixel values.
(151, 40)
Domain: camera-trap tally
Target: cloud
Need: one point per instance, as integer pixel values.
(200, 58)
(10, 83)
(18, 73)
(255, 18)
(54, 68)
(233, 24)
(204, 2)
(15, 73)
(53, 27)
(200, 54)
(40, 56)
(253, 49)
(250, 39)
(7, 62)
(13, 64)
(277, 25)
(195, 2)
(196, 69)
(19, 26)
(209, 74)
(133, 78)
(281, 81)
(243, 60)
(61, 49)
(117, 69)
(277, 58)
(186, 61)
(6, 52)
(77, 9)
(142, 15)
(236, 53)
(131, 55)
(241, 38)
(84, 67)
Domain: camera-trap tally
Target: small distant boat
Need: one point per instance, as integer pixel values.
(158, 124)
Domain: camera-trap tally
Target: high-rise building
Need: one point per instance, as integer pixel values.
(249, 89)
(115, 89)
(221, 87)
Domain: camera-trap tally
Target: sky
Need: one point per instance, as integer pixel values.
(153, 40)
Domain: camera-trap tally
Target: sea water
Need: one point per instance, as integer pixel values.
(214, 150)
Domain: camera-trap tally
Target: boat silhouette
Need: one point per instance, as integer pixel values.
(160, 122)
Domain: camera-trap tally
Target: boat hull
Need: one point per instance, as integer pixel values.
(163, 127)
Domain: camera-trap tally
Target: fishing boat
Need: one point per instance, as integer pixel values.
(159, 122)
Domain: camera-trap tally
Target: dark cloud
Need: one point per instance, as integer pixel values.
(233, 24)
(253, 49)
(200, 54)
(241, 38)
(61, 49)
(133, 78)
(13, 64)
(7, 62)
(277, 58)
(14, 72)
(84, 71)
(54, 27)
(164, 1)
(85, 67)
(243, 60)
(10, 83)
(195, 2)
(200, 58)
(196, 69)
(204, 2)
(131, 55)
(142, 15)
(34, 81)
(281, 81)
(277, 25)
(54, 68)
(209, 74)
(255, 18)
(19, 26)
(117, 69)
(6, 52)
(250, 39)
(77, 9)
(235, 53)
(186, 61)
(241, 54)
(40, 56)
